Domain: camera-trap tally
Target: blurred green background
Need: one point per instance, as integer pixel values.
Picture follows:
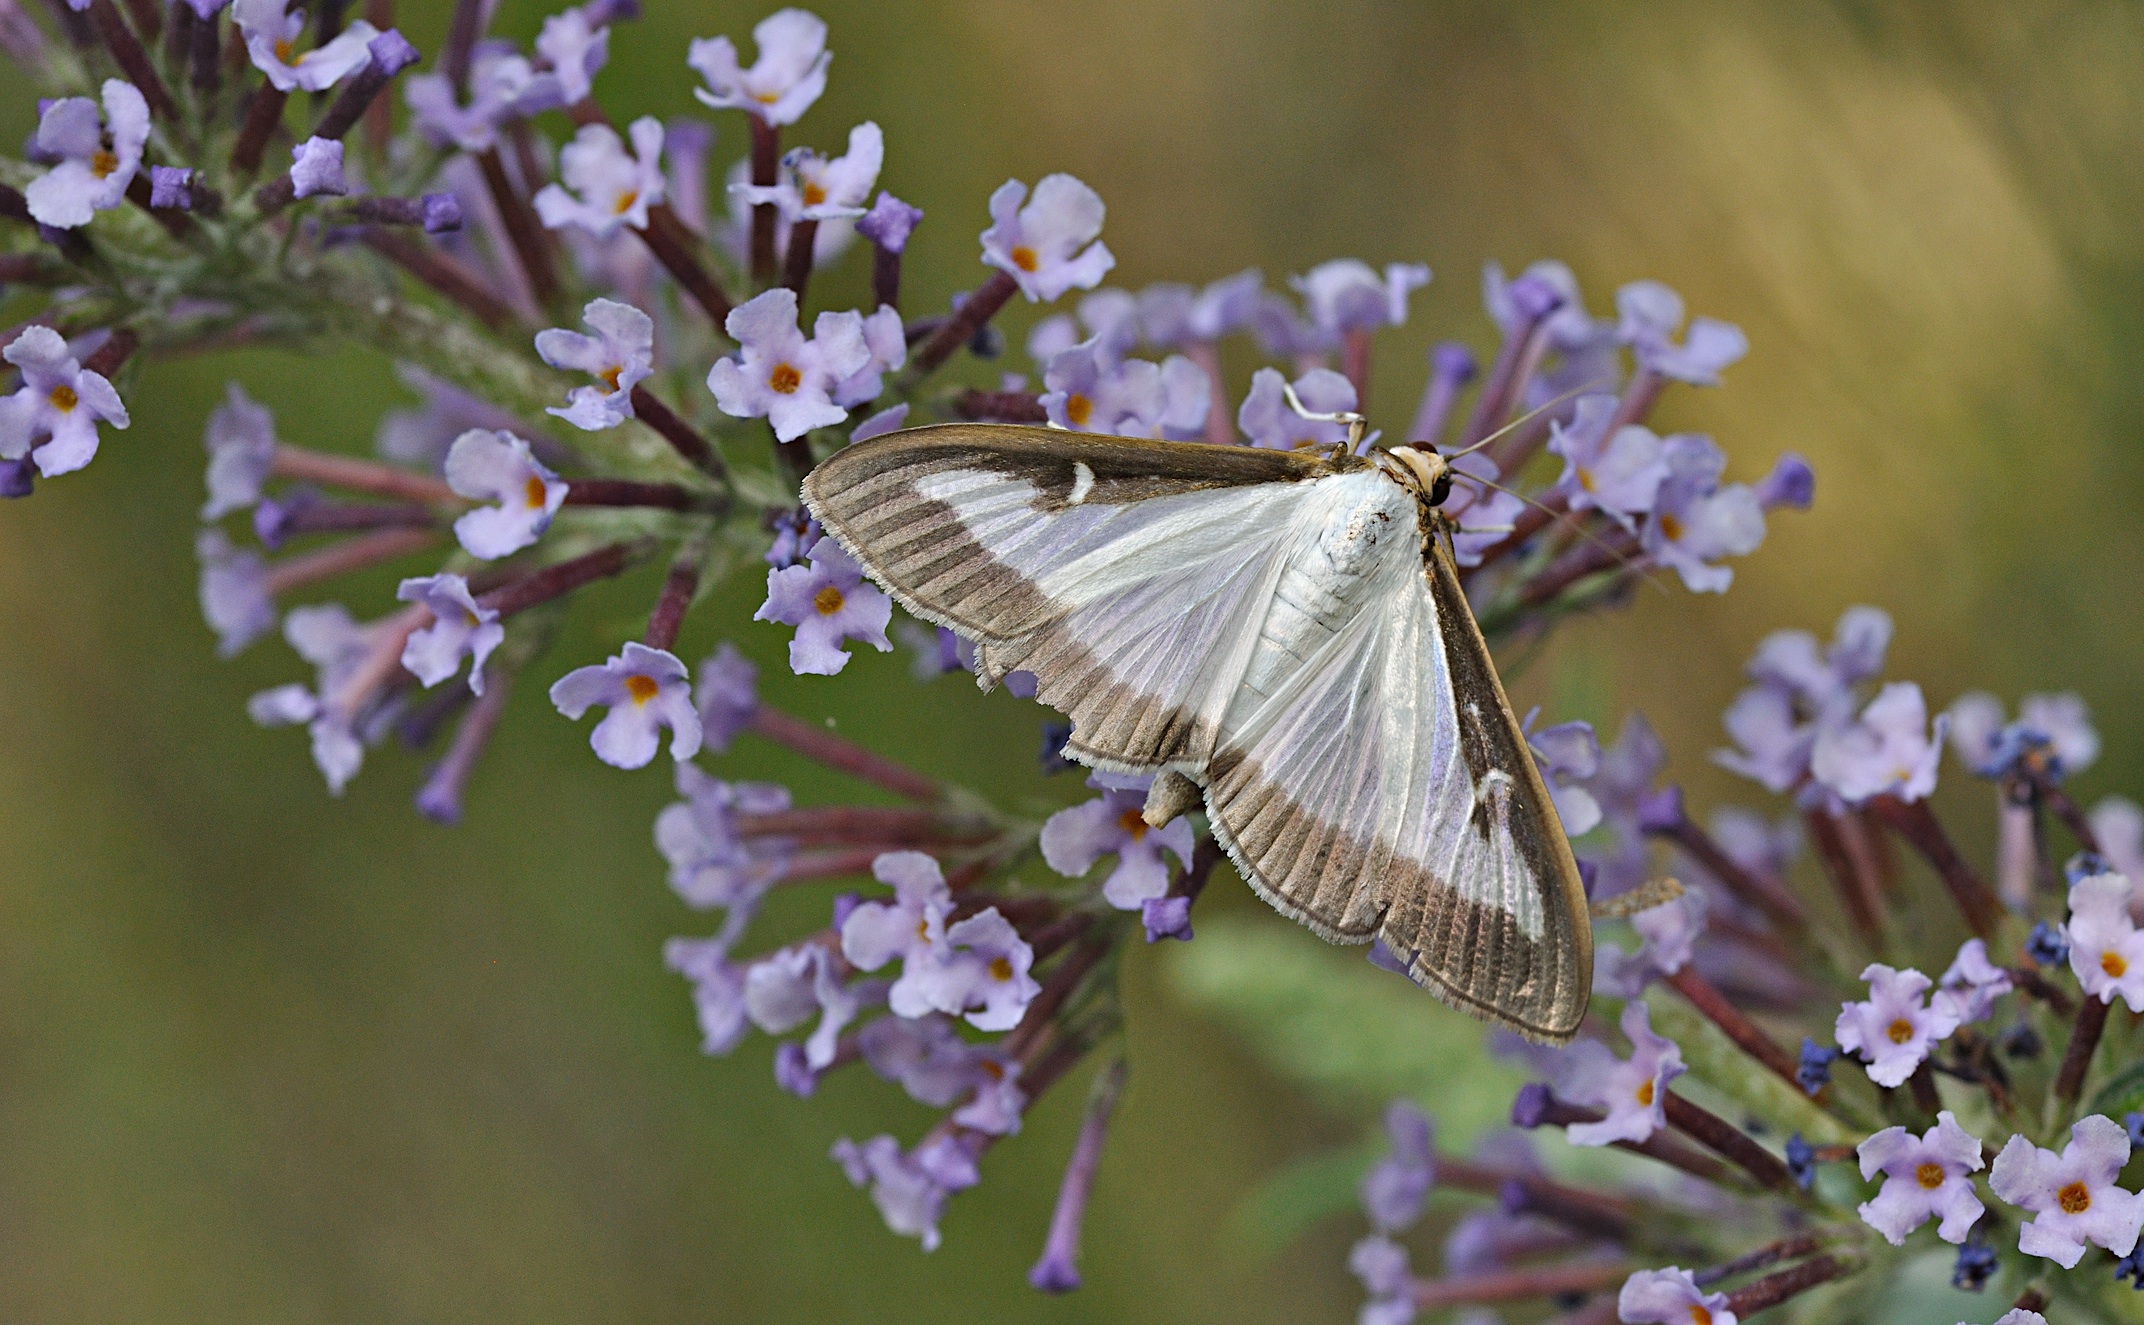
(269, 1057)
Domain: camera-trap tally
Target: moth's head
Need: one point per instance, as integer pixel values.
(1425, 471)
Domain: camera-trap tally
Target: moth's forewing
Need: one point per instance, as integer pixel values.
(1135, 579)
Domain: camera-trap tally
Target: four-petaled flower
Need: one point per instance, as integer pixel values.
(1888, 749)
(1049, 246)
(1269, 421)
(1393, 1190)
(460, 625)
(781, 376)
(822, 188)
(234, 592)
(337, 647)
(503, 85)
(1091, 391)
(1073, 839)
(1894, 1029)
(1670, 1296)
(782, 84)
(2106, 950)
(620, 355)
(977, 967)
(1924, 1177)
(1695, 521)
(1347, 294)
(53, 418)
(2072, 1195)
(1633, 1090)
(1618, 474)
(910, 1189)
(606, 187)
(497, 467)
(272, 35)
(1972, 983)
(1651, 314)
(828, 602)
(646, 690)
(711, 864)
(241, 446)
(717, 989)
(576, 49)
(96, 158)
(782, 991)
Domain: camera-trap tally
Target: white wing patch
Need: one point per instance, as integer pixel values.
(1082, 483)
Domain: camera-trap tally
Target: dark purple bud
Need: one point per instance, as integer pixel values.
(441, 212)
(17, 478)
(2021, 1040)
(792, 1073)
(2131, 1267)
(1660, 811)
(1511, 1196)
(1054, 736)
(1385, 959)
(2047, 945)
(1452, 362)
(1166, 918)
(391, 52)
(602, 13)
(1801, 1161)
(273, 518)
(2134, 1124)
(1814, 1069)
(1976, 1265)
(1587, 873)
(889, 222)
(207, 9)
(1791, 483)
(2084, 865)
(171, 186)
(1530, 1109)
(1533, 298)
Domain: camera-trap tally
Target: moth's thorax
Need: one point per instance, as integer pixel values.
(1364, 515)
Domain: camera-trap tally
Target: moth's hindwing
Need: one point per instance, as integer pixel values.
(1283, 630)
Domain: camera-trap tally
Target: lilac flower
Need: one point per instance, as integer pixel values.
(1222, 307)
(717, 989)
(171, 186)
(782, 84)
(887, 343)
(924, 1054)
(1695, 521)
(1283, 332)
(1925, 1177)
(991, 961)
(1347, 295)
(234, 593)
(53, 417)
(1585, 352)
(1381, 1265)
(2072, 1195)
(1972, 983)
(795, 535)
(576, 49)
(1667, 938)
(1618, 475)
(1893, 1030)
(646, 690)
(1269, 421)
(1773, 745)
(909, 1190)
(1989, 746)
(781, 376)
(1090, 392)
(1652, 314)
(1670, 1297)
(1792, 661)
(735, 235)
(1394, 1189)
(2106, 950)
(783, 991)
(337, 647)
(2118, 823)
(94, 160)
(828, 602)
(241, 446)
(503, 85)
(1813, 1070)
(621, 355)
(1632, 1090)
(604, 187)
(910, 929)
(1049, 246)
(886, 420)
(421, 437)
(710, 865)
(498, 467)
(819, 188)
(271, 39)
(1073, 839)
(316, 169)
(1568, 754)
(460, 625)
(1484, 513)
(1888, 750)
(1112, 319)
(889, 222)
(727, 695)
(2020, 1316)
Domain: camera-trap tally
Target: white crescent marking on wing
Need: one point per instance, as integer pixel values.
(1082, 483)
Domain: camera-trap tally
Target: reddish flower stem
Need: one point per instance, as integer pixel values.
(812, 866)
(972, 316)
(1763, 891)
(562, 577)
(1774, 1289)
(1063, 981)
(1057, 933)
(116, 350)
(342, 471)
(175, 222)
(140, 70)
(1591, 1213)
(627, 492)
(1660, 1146)
(822, 746)
(264, 114)
(464, 30)
(1001, 406)
(379, 116)
(352, 554)
(2056, 799)
(675, 245)
(679, 585)
(444, 275)
(766, 163)
(1355, 363)
(1748, 1036)
(2085, 1033)
(886, 277)
(796, 263)
(1786, 1249)
(1863, 907)
(532, 244)
(861, 823)
(682, 436)
(1917, 824)
(1731, 1142)
(1519, 1285)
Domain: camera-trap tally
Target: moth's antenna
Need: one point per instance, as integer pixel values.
(1557, 517)
(1355, 422)
(1585, 388)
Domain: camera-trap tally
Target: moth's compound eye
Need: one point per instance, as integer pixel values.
(1441, 488)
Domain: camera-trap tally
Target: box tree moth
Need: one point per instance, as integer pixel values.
(1280, 634)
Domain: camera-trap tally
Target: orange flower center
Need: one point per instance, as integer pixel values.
(1585, 480)
(625, 202)
(814, 194)
(1645, 1094)
(827, 600)
(2074, 1199)
(1929, 1175)
(993, 1069)
(785, 379)
(103, 163)
(1699, 1314)
(1078, 409)
(766, 98)
(1133, 823)
(283, 50)
(533, 492)
(641, 688)
(610, 376)
(1000, 969)
(64, 399)
(1670, 526)
(1023, 257)
(1900, 1031)
(2112, 964)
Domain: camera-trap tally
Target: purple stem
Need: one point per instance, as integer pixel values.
(1058, 1270)
(440, 799)
(766, 163)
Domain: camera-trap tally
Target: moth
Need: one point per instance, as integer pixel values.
(1279, 634)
